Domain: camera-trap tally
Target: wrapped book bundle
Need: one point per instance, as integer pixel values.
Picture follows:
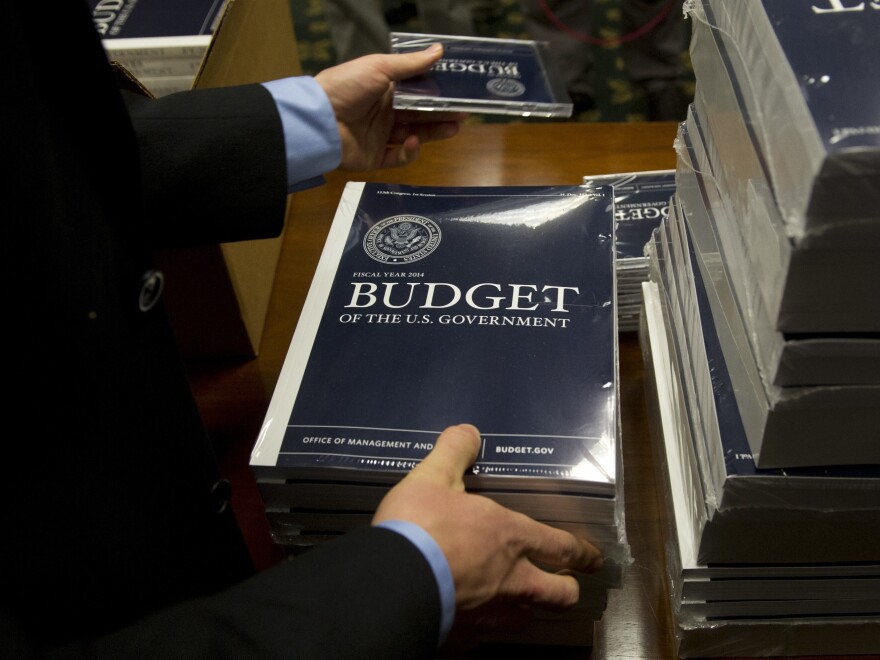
(761, 178)
(433, 305)
(641, 201)
(788, 106)
(761, 334)
(759, 579)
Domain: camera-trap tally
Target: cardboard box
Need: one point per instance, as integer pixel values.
(218, 295)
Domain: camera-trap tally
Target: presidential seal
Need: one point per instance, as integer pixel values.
(507, 87)
(402, 239)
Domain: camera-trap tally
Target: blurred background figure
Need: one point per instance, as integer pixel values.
(653, 42)
(360, 27)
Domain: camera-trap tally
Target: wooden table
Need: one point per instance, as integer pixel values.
(234, 394)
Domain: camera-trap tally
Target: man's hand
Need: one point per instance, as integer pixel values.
(490, 549)
(373, 134)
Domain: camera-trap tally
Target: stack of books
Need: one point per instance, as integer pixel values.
(160, 42)
(802, 270)
(757, 572)
(641, 201)
(763, 337)
(432, 306)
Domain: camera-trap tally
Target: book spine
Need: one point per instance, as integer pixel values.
(157, 48)
(154, 53)
(161, 67)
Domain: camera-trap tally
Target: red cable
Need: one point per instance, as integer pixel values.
(580, 36)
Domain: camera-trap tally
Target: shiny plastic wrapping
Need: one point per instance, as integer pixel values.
(641, 200)
(786, 426)
(483, 75)
(819, 282)
(746, 241)
(738, 512)
(384, 333)
(806, 72)
(740, 609)
(789, 637)
(431, 305)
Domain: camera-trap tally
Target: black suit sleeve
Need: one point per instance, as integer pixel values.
(370, 594)
(213, 165)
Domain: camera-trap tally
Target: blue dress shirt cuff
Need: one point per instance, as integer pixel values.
(311, 137)
(432, 552)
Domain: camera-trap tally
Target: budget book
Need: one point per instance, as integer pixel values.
(433, 306)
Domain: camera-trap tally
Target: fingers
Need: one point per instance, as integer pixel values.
(454, 452)
(556, 547)
(400, 67)
(532, 586)
(527, 584)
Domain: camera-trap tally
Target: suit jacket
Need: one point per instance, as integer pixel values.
(117, 529)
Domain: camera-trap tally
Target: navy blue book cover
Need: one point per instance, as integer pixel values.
(833, 50)
(501, 76)
(863, 480)
(641, 202)
(137, 19)
(435, 306)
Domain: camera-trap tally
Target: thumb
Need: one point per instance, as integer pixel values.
(407, 65)
(455, 450)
